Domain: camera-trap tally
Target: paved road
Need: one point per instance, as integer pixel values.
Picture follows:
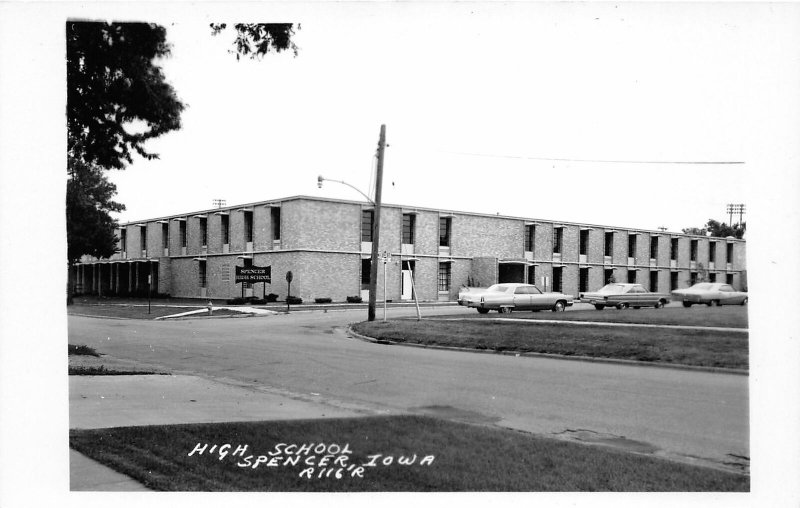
(679, 413)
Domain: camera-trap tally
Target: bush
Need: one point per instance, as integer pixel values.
(272, 297)
(322, 300)
(353, 299)
(294, 300)
(236, 301)
(258, 301)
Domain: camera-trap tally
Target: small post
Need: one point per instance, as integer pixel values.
(210, 308)
(414, 290)
(289, 278)
(149, 285)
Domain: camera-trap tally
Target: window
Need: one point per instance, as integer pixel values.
(673, 280)
(248, 226)
(445, 223)
(608, 276)
(584, 242)
(203, 231)
(165, 235)
(729, 278)
(654, 281)
(201, 266)
(366, 263)
(558, 272)
(653, 247)
(712, 252)
(608, 248)
(409, 220)
(143, 237)
(632, 245)
(583, 279)
(367, 217)
(226, 229)
(123, 239)
(631, 276)
(183, 232)
(692, 278)
(712, 277)
(693, 251)
(444, 277)
(530, 235)
(275, 216)
(531, 275)
(673, 249)
(558, 239)
(729, 253)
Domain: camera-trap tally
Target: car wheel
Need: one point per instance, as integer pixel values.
(744, 302)
(483, 311)
(687, 304)
(621, 306)
(559, 306)
(599, 307)
(659, 304)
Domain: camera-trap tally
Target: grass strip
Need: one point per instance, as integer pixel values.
(465, 458)
(87, 370)
(706, 348)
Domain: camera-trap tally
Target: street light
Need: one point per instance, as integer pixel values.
(376, 223)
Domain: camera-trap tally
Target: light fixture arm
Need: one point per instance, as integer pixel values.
(321, 179)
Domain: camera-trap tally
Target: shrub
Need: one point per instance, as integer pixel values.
(322, 300)
(236, 301)
(258, 301)
(294, 300)
(272, 297)
(353, 299)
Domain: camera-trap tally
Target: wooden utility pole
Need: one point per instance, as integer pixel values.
(376, 229)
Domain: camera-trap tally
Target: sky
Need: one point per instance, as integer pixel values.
(593, 113)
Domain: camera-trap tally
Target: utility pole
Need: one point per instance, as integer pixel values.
(376, 229)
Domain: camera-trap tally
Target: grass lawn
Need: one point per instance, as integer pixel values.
(85, 361)
(465, 458)
(706, 348)
(140, 312)
(699, 315)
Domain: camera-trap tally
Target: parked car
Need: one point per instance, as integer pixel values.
(623, 296)
(710, 293)
(512, 296)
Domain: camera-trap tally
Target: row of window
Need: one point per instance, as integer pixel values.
(203, 224)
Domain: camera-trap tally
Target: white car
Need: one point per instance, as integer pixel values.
(710, 293)
(512, 296)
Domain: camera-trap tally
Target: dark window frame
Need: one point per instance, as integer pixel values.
(203, 231)
(583, 242)
(558, 240)
(225, 226)
(275, 219)
(632, 245)
(529, 241)
(445, 231)
(444, 278)
(608, 244)
(654, 247)
(248, 226)
(367, 223)
(409, 228)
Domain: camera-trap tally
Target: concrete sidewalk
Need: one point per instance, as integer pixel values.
(117, 401)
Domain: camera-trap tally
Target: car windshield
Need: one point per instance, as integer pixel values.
(612, 288)
(498, 288)
(703, 285)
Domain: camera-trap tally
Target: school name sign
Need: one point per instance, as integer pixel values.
(254, 274)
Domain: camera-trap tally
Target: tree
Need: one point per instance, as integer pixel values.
(257, 39)
(718, 229)
(117, 99)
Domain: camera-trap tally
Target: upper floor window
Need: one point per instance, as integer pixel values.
(584, 242)
(275, 216)
(712, 252)
(729, 253)
(673, 249)
(183, 232)
(203, 231)
(123, 239)
(165, 235)
(558, 240)
(367, 219)
(653, 247)
(409, 221)
(693, 251)
(445, 224)
(632, 245)
(226, 229)
(248, 226)
(530, 237)
(608, 248)
(143, 237)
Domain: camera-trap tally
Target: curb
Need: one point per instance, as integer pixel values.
(617, 361)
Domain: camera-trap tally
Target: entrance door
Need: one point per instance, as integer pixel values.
(406, 288)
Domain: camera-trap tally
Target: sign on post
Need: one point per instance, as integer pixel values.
(253, 274)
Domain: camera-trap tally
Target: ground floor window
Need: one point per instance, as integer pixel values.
(673, 280)
(558, 272)
(444, 277)
(583, 279)
(692, 278)
(608, 276)
(202, 273)
(712, 277)
(366, 265)
(532, 275)
(631, 276)
(654, 281)
(729, 278)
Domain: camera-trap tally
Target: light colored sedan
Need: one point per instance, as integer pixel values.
(512, 296)
(622, 296)
(710, 293)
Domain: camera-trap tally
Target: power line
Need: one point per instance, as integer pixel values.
(557, 159)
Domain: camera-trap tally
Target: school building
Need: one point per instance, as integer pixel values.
(326, 244)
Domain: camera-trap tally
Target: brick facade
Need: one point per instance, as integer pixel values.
(319, 240)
